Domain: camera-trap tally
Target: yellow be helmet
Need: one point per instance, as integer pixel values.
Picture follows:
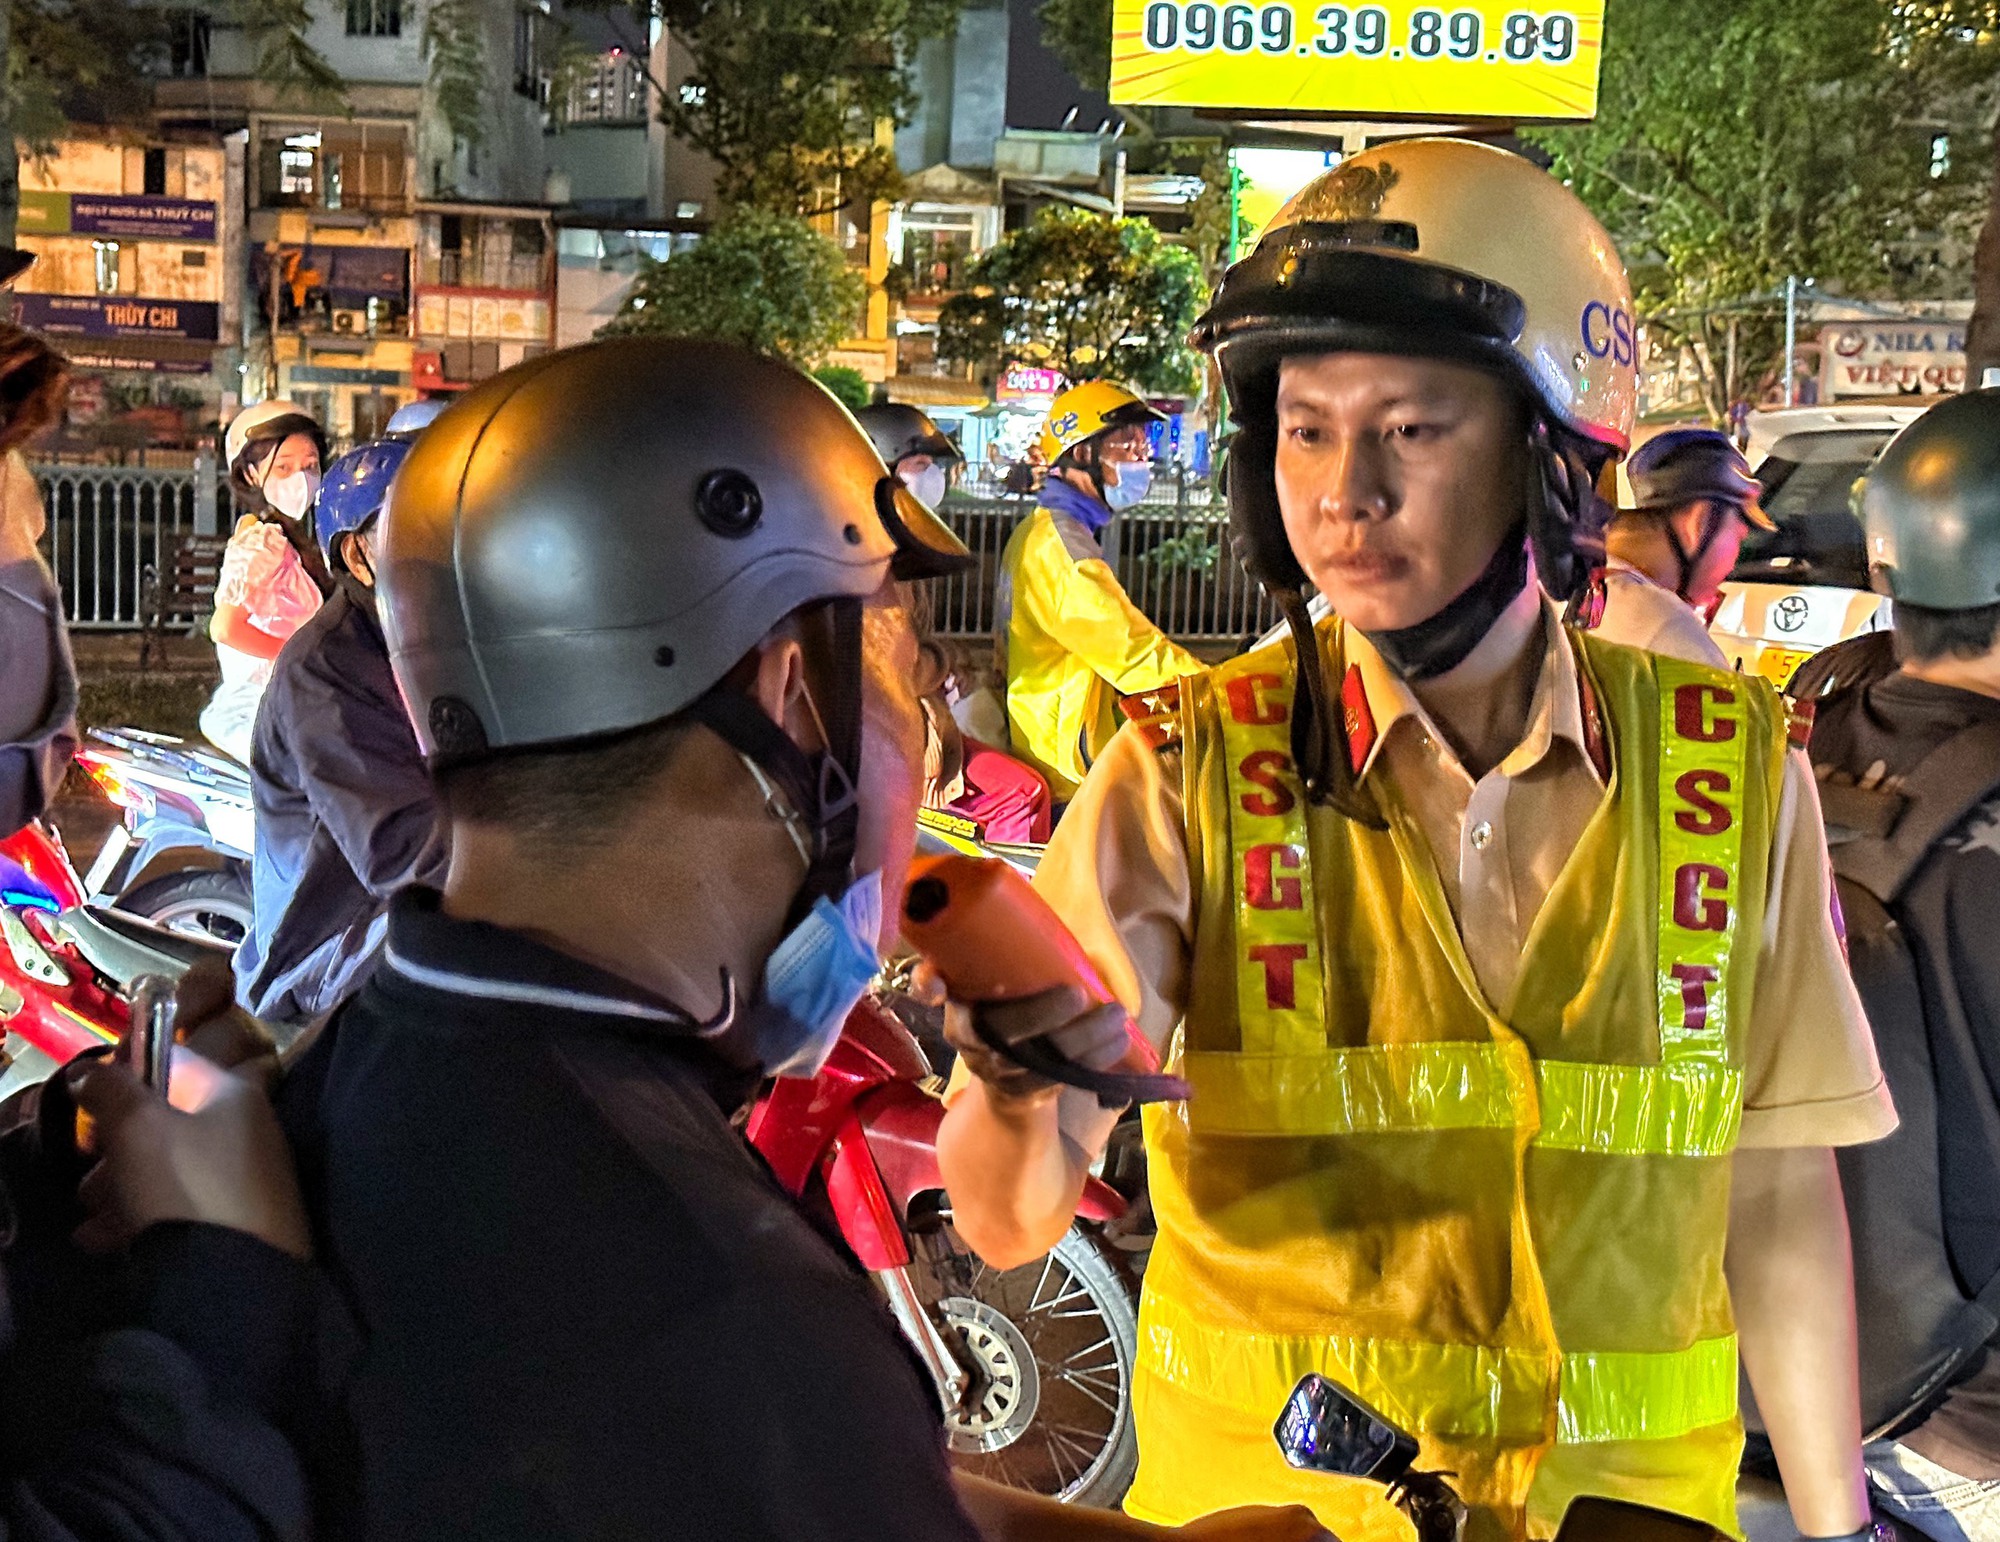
(1084, 411)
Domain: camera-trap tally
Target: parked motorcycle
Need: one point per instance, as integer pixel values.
(66, 966)
(1033, 1365)
(179, 799)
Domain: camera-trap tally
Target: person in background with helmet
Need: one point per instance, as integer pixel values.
(346, 815)
(1516, 1046)
(413, 417)
(1906, 741)
(1071, 641)
(1695, 501)
(1006, 798)
(920, 453)
(273, 577)
(680, 769)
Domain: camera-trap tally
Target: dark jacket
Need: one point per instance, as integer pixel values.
(583, 1309)
(163, 1427)
(1875, 727)
(345, 813)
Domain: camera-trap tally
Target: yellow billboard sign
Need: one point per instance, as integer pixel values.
(1394, 60)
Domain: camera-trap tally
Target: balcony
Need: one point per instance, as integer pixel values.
(486, 270)
(308, 169)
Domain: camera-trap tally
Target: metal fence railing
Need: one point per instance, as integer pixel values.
(111, 528)
(1173, 561)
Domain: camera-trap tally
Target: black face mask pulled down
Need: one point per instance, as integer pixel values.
(1443, 641)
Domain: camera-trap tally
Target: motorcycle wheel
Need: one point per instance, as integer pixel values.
(207, 902)
(1051, 1346)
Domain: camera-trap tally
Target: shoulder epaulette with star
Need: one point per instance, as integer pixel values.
(1157, 715)
(1799, 721)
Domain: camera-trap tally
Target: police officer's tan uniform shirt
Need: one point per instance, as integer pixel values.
(1117, 872)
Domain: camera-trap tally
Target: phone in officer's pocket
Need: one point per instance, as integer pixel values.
(1326, 1428)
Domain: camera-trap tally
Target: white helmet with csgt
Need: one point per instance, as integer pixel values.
(1439, 248)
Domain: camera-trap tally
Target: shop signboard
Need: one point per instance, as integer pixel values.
(1456, 64)
(340, 374)
(1918, 356)
(117, 316)
(116, 214)
(1021, 383)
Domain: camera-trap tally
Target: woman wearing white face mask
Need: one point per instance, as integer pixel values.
(920, 453)
(273, 577)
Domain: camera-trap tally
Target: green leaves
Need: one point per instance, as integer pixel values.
(786, 95)
(849, 386)
(1736, 144)
(767, 281)
(1078, 32)
(1083, 293)
(455, 46)
(277, 30)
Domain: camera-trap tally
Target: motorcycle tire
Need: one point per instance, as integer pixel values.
(1053, 1344)
(204, 902)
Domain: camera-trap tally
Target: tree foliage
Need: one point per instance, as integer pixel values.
(1738, 144)
(785, 95)
(849, 386)
(91, 62)
(1982, 337)
(767, 281)
(1078, 32)
(454, 41)
(1083, 293)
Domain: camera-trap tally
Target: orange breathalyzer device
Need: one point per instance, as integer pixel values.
(991, 937)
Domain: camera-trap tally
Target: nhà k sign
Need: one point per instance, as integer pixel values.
(1893, 358)
(1391, 60)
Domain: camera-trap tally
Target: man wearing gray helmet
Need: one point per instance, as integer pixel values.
(1906, 743)
(671, 715)
(1694, 501)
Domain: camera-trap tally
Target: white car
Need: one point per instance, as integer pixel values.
(1804, 586)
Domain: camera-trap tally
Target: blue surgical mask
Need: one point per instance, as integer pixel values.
(1135, 479)
(815, 978)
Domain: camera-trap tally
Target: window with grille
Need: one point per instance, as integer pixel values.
(374, 18)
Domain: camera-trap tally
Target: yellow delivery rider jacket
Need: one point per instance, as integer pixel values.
(1502, 1224)
(1074, 643)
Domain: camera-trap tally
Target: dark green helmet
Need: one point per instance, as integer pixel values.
(1931, 507)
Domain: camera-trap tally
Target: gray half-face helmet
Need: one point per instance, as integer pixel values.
(1931, 507)
(590, 542)
(898, 431)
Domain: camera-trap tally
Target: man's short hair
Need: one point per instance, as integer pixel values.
(1924, 635)
(551, 797)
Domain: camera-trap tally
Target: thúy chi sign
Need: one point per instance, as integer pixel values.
(1301, 56)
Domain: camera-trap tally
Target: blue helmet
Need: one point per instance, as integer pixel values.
(354, 490)
(410, 419)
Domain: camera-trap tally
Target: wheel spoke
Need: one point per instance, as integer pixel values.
(1107, 1342)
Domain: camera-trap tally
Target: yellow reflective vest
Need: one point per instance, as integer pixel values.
(1074, 644)
(1505, 1227)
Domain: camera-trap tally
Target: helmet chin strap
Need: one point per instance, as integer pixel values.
(1711, 526)
(816, 789)
(1442, 642)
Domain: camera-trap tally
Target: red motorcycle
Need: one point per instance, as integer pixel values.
(65, 966)
(1033, 1365)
